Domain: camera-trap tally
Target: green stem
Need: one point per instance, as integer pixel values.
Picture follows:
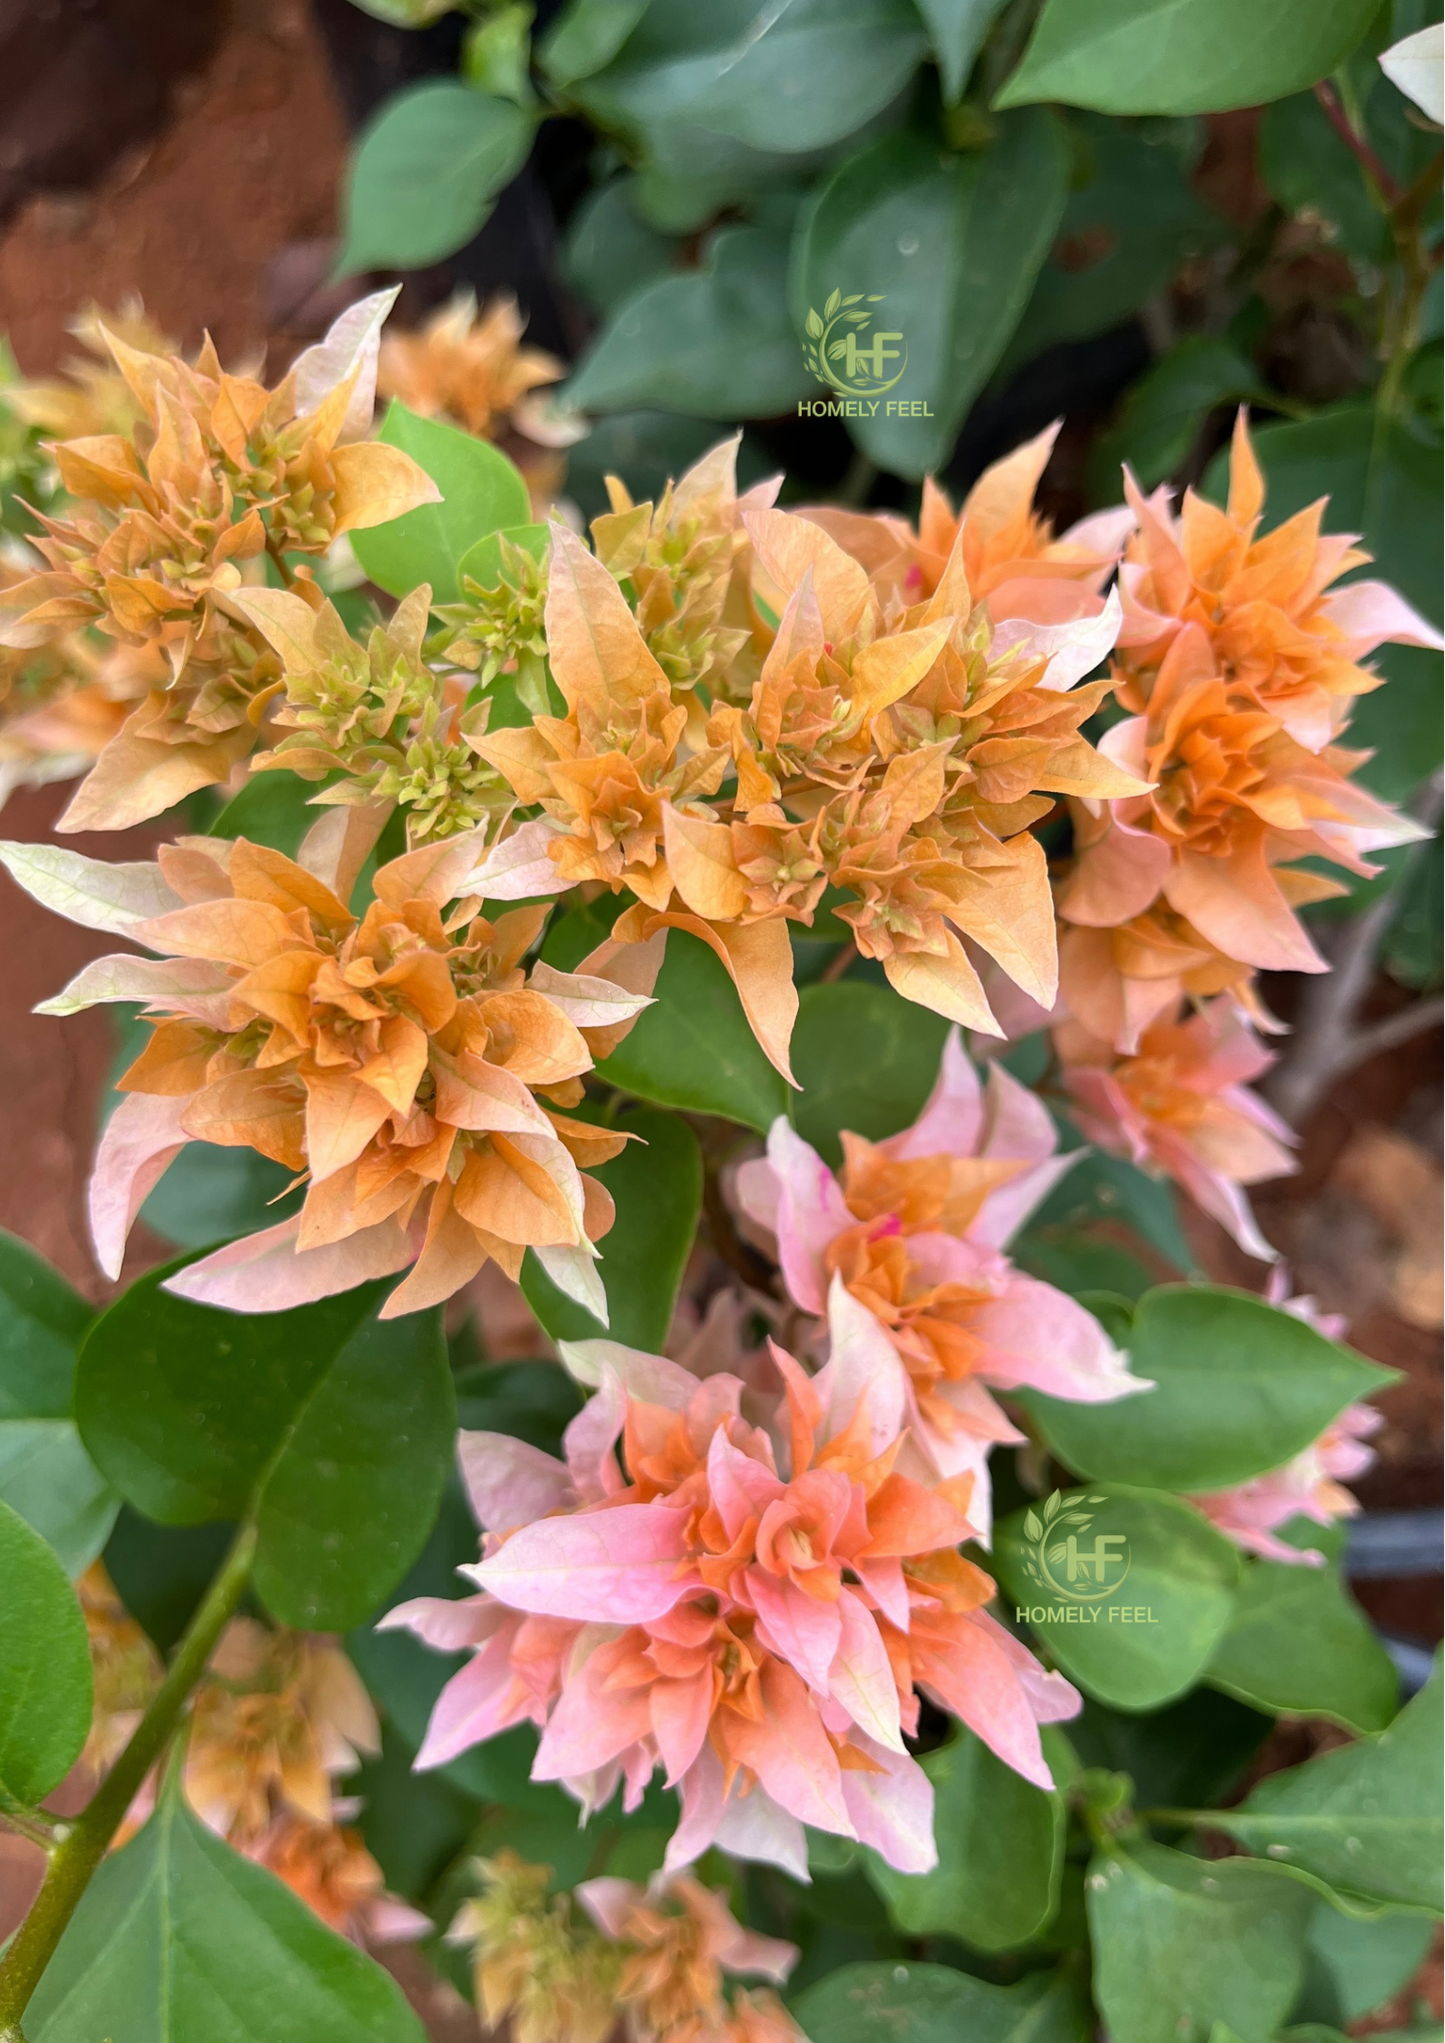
(77, 1854)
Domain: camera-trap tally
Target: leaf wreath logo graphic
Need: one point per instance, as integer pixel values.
(835, 350)
(1058, 1563)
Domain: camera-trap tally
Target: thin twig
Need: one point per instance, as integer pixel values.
(1326, 1040)
(1394, 1029)
(1358, 147)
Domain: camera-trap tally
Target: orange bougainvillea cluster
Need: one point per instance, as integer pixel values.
(733, 720)
(896, 752)
(404, 1063)
(657, 1958)
(1240, 664)
(278, 1719)
(169, 519)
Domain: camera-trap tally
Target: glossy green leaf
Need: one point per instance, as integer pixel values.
(1351, 1966)
(1160, 418)
(45, 1473)
(693, 1048)
(714, 342)
(866, 1060)
(426, 170)
(951, 244)
(586, 35)
(1239, 1387)
(1079, 1262)
(1000, 1851)
(1299, 1644)
(611, 252)
(1109, 1189)
(657, 1185)
(271, 808)
(1382, 477)
(1153, 1634)
(1131, 221)
(179, 1938)
(481, 493)
(332, 1428)
(45, 1686)
(956, 29)
(211, 1194)
(792, 78)
(405, 13)
(935, 2004)
(1182, 1943)
(1364, 1819)
(1182, 56)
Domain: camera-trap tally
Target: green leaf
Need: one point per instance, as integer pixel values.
(952, 244)
(1382, 476)
(1182, 1943)
(714, 342)
(693, 1048)
(1131, 221)
(586, 35)
(793, 78)
(45, 1473)
(1169, 1610)
(1083, 1264)
(1000, 1852)
(426, 169)
(271, 808)
(497, 53)
(178, 1938)
(956, 29)
(481, 493)
(657, 1185)
(1299, 1644)
(1160, 419)
(405, 13)
(935, 2004)
(1351, 1966)
(161, 1572)
(866, 1060)
(1239, 1388)
(611, 253)
(534, 1401)
(332, 1428)
(1182, 56)
(212, 1194)
(1107, 1188)
(1365, 1819)
(45, 1685)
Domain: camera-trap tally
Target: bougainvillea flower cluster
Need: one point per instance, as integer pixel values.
(753, 1610)
(1240, 663)
(916, 1229)
(661, 1957)
(403, 1063)
(892, 754)
(216, 476)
